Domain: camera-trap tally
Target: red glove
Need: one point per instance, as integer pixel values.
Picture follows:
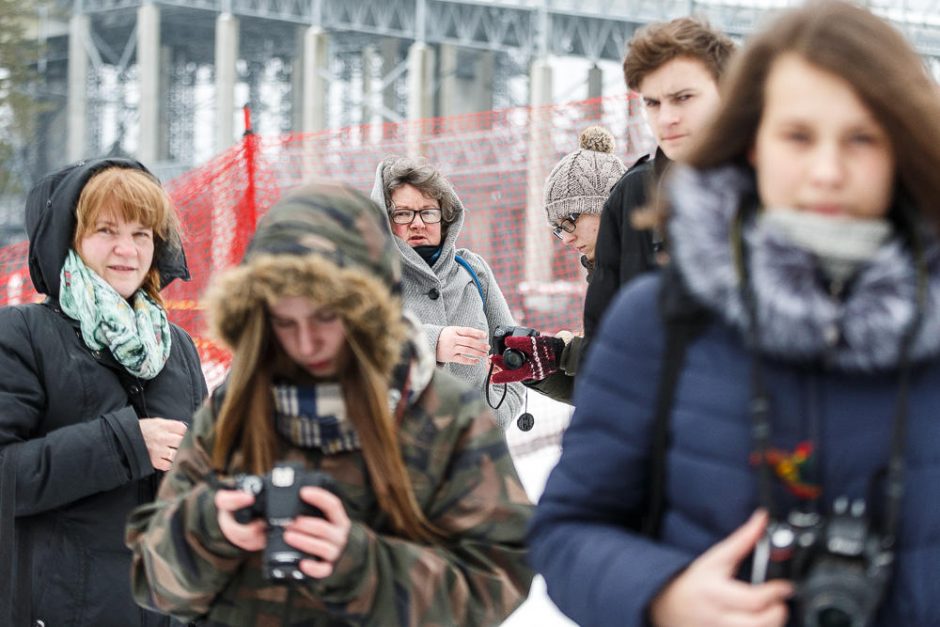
(542, 354)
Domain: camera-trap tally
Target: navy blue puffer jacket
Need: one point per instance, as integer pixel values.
(840, 397)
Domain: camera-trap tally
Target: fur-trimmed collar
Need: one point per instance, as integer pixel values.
(421, 364)
(798, 319)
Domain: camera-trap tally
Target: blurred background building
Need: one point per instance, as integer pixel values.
(165, 80)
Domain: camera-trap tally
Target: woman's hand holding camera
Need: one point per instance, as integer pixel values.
(540, 353)
(249, 537)
(462, 345)
(324, 538)
(706, 593)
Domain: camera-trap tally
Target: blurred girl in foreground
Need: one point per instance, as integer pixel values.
(806, 229)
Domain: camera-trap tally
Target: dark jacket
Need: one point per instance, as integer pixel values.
(835, 390)
(621, 252)
(69, 433)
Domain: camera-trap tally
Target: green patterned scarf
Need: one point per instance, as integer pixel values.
(138, 336)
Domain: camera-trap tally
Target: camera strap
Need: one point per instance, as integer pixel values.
(684, 320)
(760, 405)
(486, 390)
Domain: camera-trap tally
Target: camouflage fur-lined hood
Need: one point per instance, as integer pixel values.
(328, 243)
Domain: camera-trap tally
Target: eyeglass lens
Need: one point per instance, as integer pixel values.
(429, 215)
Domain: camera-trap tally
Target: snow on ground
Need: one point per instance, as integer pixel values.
(535, 453)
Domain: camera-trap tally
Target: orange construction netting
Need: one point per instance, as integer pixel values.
(496, 160)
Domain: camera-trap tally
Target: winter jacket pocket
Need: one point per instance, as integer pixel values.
(59, 580)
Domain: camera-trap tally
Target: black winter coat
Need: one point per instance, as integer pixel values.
(80, 460)
(74, 462)
(621, 252)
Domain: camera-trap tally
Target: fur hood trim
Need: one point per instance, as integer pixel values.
(370, 312)
(799, 320)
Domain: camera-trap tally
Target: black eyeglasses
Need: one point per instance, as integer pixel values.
(429, 215)
(568, 225)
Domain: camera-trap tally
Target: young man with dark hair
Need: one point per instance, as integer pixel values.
(675, 67)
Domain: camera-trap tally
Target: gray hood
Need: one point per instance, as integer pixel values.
(451, 230)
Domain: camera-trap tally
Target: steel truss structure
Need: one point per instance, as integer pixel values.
(514, 31)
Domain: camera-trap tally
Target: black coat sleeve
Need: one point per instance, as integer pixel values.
(183, 342)
(64, 465)
(622, 252)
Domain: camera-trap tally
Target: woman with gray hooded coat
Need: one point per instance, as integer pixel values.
(459, 305)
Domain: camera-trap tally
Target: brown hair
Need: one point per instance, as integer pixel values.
(656, 44)
(427, 179)
(237, 303)
(135, 196)
(855, 45)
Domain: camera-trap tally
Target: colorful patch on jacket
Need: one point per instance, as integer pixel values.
(791, 468)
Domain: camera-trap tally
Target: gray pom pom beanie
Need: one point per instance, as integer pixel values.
(581, 181)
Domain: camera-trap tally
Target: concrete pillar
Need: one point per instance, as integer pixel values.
(452, 102)
(595, 82)
(226, 55)
(167, 82)
(388, 49)
(419, 95)
(419, 72)
(486, 70)
(79, 37)
(297, 81)
(316, 49)
(367, 109)
(538, 258)
(466, 80)
(149, 67)
(595, 87)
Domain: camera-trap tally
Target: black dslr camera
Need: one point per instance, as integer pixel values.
(513, 359)
(278, 502)
(840, 565)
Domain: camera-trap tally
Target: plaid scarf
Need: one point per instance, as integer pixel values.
(138, 336)
(314, 416)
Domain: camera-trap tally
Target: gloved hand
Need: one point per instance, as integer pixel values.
(541, 352)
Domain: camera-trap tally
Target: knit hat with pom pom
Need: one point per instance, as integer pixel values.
(582, 180)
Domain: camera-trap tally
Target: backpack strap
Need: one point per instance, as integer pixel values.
(466, 265)
(684, 320)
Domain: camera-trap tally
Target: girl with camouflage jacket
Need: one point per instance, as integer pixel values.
(424, 518)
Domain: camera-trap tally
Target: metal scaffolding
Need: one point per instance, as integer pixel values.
(360, 49)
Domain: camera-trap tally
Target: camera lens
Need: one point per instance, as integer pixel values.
(833, 617)
(838, 593)
(513, 359)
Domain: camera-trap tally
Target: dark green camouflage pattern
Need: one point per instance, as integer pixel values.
(334, 221)
(464, 481)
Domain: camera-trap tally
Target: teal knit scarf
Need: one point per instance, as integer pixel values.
(138, 336)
